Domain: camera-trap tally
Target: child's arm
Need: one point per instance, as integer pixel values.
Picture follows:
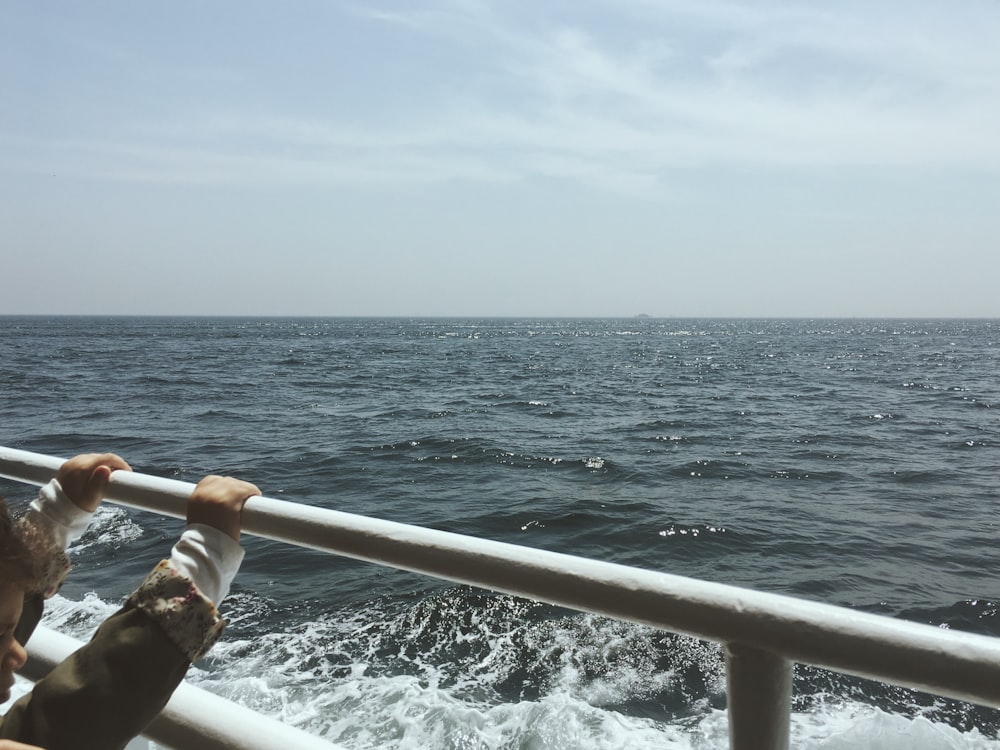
(182, 593)
(59, 515)
(109, 690)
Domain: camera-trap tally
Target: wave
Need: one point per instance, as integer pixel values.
(464, 668)
(473, 451)
(460, 667)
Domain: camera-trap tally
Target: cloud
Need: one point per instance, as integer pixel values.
(613, 95)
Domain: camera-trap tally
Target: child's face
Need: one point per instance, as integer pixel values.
(12, 654)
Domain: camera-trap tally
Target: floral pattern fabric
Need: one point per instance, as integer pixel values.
(187, 616)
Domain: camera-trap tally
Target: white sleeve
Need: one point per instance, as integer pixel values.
(54, 512)
(209, 557)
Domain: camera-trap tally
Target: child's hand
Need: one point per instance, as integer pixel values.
(84, 478)
(218, 502)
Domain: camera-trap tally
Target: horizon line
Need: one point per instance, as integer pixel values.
(288, 316)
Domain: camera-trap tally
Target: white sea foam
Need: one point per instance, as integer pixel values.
(78, 619)
(342, 678)
(854, 725)
(404, 713)
(335, 677)
(112, 527)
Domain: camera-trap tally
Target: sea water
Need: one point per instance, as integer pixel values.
(846, 461)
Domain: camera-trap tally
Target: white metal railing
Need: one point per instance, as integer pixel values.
(764, 633)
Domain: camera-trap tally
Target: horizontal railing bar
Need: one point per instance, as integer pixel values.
(958, 665)
(194, 719)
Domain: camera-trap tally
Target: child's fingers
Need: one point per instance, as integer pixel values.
(218, 502)
(84, 478)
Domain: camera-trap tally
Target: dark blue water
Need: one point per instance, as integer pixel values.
(851, 461)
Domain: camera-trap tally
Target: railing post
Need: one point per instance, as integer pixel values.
(759, 698)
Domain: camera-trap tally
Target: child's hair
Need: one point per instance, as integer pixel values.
(18, 562)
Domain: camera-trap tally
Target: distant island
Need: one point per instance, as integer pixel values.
(642, 315)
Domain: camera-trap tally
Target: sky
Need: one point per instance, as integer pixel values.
(675, 158)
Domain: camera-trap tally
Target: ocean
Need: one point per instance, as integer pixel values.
(847, 461)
